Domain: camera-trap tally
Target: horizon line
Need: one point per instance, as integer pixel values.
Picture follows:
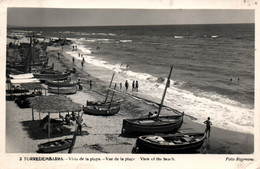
(14, 26)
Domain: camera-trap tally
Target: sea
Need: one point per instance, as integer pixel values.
(213, 65)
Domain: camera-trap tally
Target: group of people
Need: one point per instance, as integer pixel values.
(135, 85)
(81, 87)
(74, 47)
(153, 114)
(83, 59)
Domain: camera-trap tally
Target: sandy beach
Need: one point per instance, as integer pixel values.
(102, 134)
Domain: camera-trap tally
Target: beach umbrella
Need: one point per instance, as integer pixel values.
(53, 104)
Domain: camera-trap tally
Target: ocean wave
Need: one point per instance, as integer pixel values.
(178, 37)
(22, 31)
(112, 34)
(125, 41)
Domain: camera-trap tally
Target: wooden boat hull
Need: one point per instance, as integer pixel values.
(164, 124)
(101, 110)
(114, 104)
(61, 84)
(51, 76)
(54, 146)
(62, 90)
(144, 145)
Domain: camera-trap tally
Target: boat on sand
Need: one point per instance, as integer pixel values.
(155, 124)
(101, 110)
(54, 146)
(169, 143)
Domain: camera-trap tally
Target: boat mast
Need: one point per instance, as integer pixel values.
(112, 96)
(164, 93)
(29, 57)
(109, 86)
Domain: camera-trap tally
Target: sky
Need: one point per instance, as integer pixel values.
(38, 17)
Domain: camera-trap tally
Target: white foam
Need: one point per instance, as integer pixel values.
(223, 114)
(125, 41)
(178, 37)
(112, 34)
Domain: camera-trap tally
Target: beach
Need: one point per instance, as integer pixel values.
(102, 134)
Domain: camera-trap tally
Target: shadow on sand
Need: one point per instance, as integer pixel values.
(35, 131)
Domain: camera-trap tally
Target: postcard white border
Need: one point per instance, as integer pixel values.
(10, 160)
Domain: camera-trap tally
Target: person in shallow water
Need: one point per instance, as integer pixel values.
(208, 126)
(126, 85)
(120, 86)
(136, 86)
(82, 63)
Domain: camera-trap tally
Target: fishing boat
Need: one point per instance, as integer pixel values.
(169, 143)
(101, 110)
(113, 104)
(54, 76)
(156, 124)
(61, 83)
(54, 146)
(105, 102)
(69, 89)
(148, 125)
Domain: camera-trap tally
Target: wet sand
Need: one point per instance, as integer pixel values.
(102, 134)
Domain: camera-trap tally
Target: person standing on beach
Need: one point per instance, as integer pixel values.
(80, 84)
(59, 55)
(79, 54)
(80, 124)
(133, 86)
(208, 126)
(126, 85)
(136, 86)
(82, 63)
(73, 60)
(120, 86)
(90, 84)
(83, 60)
